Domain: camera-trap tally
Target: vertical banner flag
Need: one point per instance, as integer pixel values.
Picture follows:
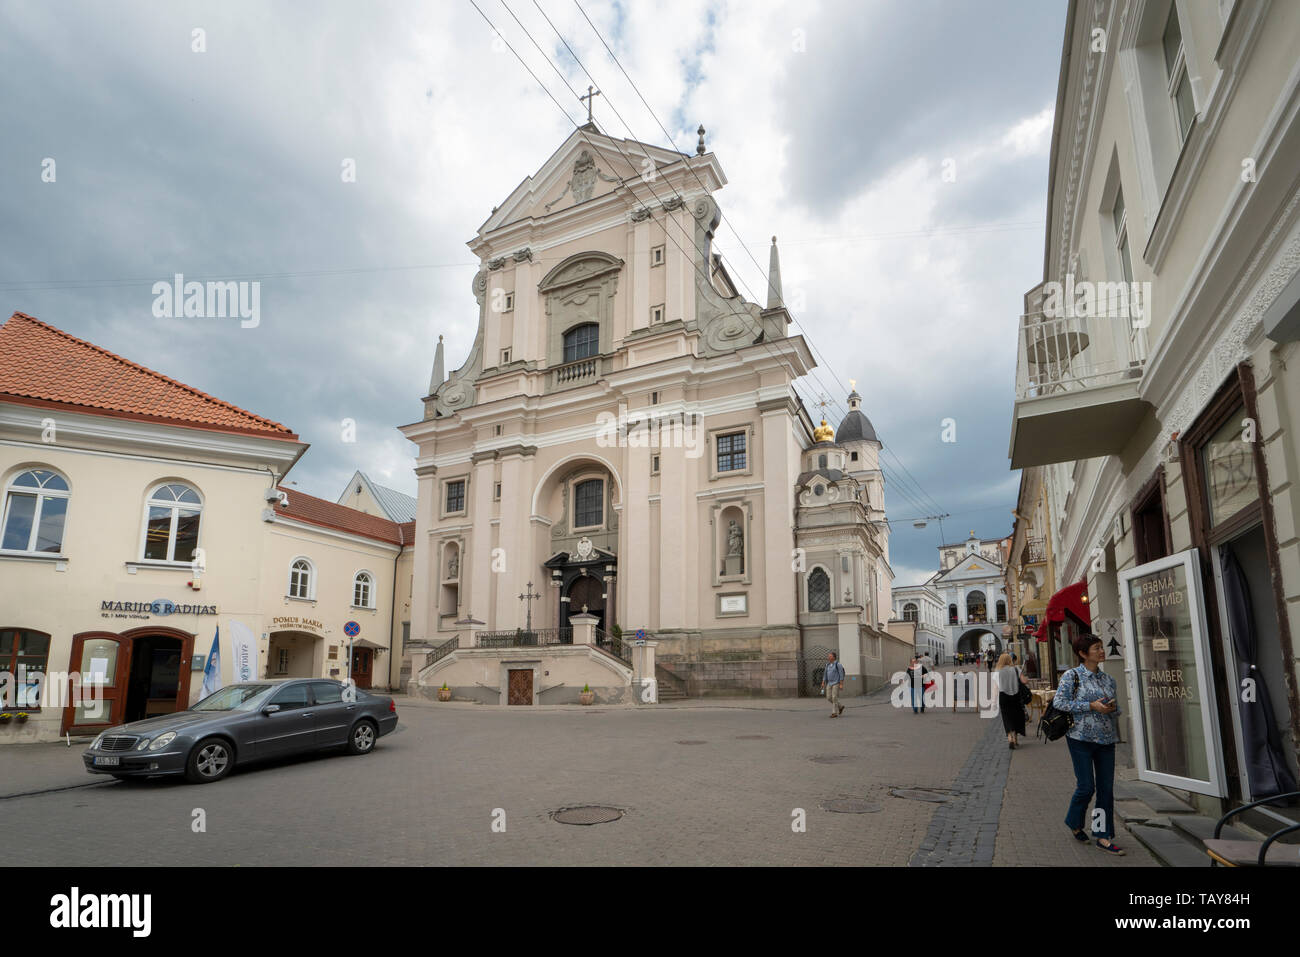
(212, 673)
(243, 652)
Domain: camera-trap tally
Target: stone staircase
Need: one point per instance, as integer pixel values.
(670, 686)
(1171, 828)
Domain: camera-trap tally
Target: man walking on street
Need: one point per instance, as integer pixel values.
(833, 684)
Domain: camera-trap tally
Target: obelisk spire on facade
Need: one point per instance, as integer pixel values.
(437, 378)
(775, 298)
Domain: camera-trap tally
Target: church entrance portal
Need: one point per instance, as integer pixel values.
(590, 592)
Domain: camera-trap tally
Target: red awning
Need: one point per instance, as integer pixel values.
(1071, 598)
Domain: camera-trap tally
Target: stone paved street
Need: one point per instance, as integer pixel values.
(700, 784)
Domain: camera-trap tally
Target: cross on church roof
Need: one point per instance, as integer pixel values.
(592, 93)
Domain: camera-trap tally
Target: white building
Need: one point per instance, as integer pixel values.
(922, 604)
(971, 585)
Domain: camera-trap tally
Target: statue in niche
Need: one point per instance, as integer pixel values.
(735, 539)
(453, 565)
(735, 560)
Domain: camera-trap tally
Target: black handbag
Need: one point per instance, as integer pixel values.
(1054, 722)
(1024, 695)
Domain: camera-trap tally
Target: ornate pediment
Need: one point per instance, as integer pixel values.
(580, 268)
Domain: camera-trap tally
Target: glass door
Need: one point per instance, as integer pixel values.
(104, 663)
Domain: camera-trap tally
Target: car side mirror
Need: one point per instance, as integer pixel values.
(270, 709)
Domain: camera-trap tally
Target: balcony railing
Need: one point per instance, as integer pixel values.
(1072, 353)
(522, 638)
(580, 371)
(1035, 551)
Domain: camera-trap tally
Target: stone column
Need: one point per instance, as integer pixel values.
(645, 686)
(848, 618)
(639, 316)
(526, 312)
(479, 512)
(634, 538)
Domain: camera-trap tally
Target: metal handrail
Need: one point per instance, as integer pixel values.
(442, 651)
(523, 638)
(615, 646)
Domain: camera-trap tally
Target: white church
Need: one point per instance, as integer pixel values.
(622, 452)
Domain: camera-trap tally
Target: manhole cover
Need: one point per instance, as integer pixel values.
(591, 814)
(829, 758)
(753, 737)
(850, 806)
(922, 794)
(692, 742)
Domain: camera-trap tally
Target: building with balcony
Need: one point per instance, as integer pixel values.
(971, 585)
(624, 441)
(1158, 383)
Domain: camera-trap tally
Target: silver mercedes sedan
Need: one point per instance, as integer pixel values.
(243, 723)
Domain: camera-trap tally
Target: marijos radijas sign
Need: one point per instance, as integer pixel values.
(161, 607)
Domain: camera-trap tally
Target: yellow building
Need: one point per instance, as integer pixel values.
(141, 518)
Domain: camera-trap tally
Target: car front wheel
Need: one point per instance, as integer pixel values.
(211, 760)
(363, 737)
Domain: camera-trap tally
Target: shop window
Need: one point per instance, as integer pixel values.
(23, 654)
(172, 517)
(36, 504)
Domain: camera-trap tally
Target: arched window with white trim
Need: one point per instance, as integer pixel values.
(363, 590)
(909, 612)
(172, 516)
(35, 507)
(302, 579)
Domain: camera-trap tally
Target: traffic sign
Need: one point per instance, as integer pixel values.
(352, 629)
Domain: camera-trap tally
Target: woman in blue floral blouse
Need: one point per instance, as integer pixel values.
(1088, 694)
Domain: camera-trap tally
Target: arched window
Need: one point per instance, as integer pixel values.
(909, 612)
(363, 590)
(581, 342)
(301, 575)
(172, 523)
(1002, 610)
(819, 590)
(976, 610)
(589, 504)
(36, 503)
(952, 614)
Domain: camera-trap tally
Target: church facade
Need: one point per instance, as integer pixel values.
(624, 440)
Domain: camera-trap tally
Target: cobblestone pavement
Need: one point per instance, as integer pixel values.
(713, 784)
(1032, 825)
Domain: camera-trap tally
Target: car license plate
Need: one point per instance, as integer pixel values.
(108, 762)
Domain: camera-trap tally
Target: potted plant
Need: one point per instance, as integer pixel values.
(586, 695)
(444, 693)
(22, 716)
(5, 717)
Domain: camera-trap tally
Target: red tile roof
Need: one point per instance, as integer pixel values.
(319, 511)
(44, 366)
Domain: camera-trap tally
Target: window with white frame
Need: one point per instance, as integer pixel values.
(301, 575)
(35, 507)
(1180, 86)
(172, 517)
(363, 590)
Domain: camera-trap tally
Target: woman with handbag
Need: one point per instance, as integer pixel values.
(1011, 686)
(1087, 694)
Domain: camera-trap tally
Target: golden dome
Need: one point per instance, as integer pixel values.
(823, 433)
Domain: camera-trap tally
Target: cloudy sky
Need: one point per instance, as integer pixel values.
(898, 149)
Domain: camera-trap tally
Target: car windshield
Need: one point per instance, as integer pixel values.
(235, 698)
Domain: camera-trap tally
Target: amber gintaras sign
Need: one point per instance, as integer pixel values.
(1174, 727)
